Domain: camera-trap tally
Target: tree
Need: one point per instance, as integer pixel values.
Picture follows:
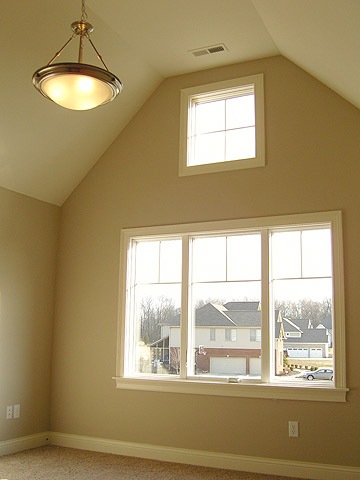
(200, 303)
(152, 315)
(305, 309)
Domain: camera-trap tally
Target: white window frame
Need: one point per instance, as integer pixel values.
(230, 335)
(335, 392)
(189, 96)
(255, 335)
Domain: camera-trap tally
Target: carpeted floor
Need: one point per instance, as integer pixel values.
(58, 463)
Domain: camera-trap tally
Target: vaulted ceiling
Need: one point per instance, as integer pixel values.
(45, 150)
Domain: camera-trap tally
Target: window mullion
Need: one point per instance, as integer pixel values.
(185, 307)
(266, 313)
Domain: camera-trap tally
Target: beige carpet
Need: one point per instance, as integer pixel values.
(57, 463)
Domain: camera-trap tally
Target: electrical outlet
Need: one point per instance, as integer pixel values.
(9, 412)
(16, 411)
(293, 429)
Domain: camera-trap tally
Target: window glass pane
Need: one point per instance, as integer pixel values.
(226, 291)
(303, 305)
(316, 246)
(209, 148)
(231, 309)
(295, 290)
(286, 254)
(210, 117)
(240, 144)
(147, 262)
(209, 259)
(156, 328)
(170, 264)
(306, 310)
(240, 112)
(244, 257)
(209, 113)
(154, 308)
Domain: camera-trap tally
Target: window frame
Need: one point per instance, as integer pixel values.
(230, 335)
(188, 95)
(255, 335)
(246, 387)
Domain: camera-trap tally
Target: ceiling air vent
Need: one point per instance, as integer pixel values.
(199, 52)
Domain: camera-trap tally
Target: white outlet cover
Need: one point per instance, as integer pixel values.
(16, 411)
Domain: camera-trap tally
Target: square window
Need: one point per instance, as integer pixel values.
(222, 126)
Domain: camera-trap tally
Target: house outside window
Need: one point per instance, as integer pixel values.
(182, 283)
(222, 126)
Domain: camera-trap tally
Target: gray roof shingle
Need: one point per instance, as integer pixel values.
(311, 335)
(253, 306)
(245, 318)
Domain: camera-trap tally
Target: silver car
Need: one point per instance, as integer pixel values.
(320, 374)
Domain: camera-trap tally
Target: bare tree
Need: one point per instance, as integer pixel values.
(200, 303)
(305, 309)
(152, 315)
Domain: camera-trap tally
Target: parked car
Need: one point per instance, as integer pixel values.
(320, 374)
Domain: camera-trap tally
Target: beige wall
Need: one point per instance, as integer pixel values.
(312, 155)
(28, 242)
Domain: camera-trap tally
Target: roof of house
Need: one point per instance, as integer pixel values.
(303, 324)
(245, 318)
(208, 315)
(326, 322)
(253, 306)
(290, 326)
(311, 335)
(211, 315)
(231, 314)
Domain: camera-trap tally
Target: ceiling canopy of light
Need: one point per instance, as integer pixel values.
(77, 86)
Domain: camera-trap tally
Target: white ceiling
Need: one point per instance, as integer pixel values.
(45, 150)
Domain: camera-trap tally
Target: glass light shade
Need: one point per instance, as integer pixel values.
(77, 86)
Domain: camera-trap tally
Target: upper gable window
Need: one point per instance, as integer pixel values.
(222, 126)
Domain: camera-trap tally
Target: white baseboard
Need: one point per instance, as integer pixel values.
(269, 466)
(24, 443)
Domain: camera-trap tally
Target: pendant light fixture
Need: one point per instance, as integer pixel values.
(77, 86)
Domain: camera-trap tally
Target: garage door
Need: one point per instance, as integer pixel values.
(298, 352)
(228, 365)
(316, 352)
(255, 366)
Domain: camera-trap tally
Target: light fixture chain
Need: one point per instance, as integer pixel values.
(84, 15)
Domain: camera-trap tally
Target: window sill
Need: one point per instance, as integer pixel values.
(247, 390)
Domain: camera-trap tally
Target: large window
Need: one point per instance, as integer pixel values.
(222, 126)
(247, 307)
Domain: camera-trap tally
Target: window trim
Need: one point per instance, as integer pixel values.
(185, 102)
(244, 388)
(230, 335)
